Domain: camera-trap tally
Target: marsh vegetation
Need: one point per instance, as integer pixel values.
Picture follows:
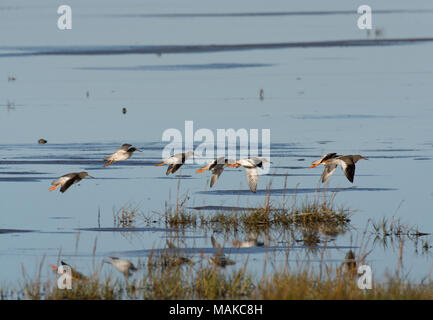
(177, 272)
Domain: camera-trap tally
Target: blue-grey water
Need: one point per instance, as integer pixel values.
(328, 87)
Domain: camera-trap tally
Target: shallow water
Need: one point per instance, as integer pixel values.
(327, 88)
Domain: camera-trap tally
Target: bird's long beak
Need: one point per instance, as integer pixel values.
(201, 170)
(234, 165)
(314, 165)
(53, 267)
(138, 150)
(91, 177)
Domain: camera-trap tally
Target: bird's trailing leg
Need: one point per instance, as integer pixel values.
(108, 163)
(55, 187)
(316, 163)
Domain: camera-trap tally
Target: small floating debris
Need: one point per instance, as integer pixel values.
(262, 94)
(11, 78)
(378, 32)
(10, 105)
(124, 110)
(87, 94)
(61, 218)
(42, 141)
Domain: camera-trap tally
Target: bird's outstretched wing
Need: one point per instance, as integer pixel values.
(172, 168)
(69, 183)
(124, 147)
(328, 171)
(328, 156)
(216, 172)
(258, 162)
(348, 168)
(324, 158)
(176, 158)
(252, 178)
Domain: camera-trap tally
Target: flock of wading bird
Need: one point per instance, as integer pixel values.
(330, 160)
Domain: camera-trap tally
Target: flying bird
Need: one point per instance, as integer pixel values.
(251, 165)
(176, 161)
(217, 167)
(68, 180)
(124, 266)
(332, 161)
(123, 153)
